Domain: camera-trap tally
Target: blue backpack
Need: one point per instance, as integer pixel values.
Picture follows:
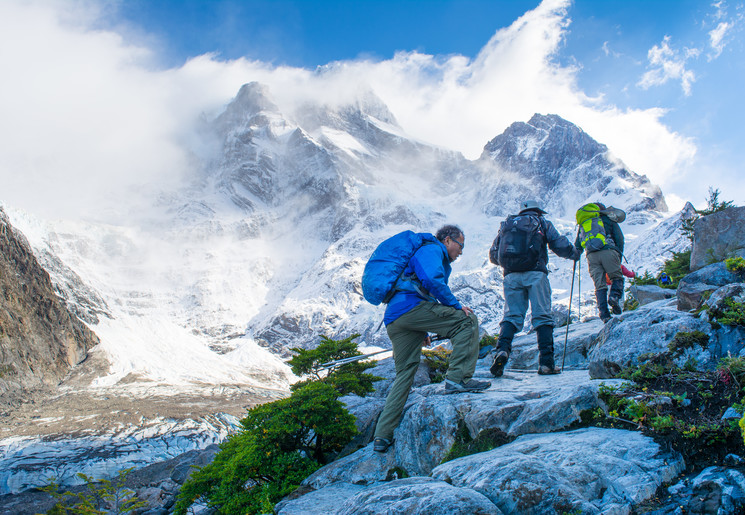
(387, 264)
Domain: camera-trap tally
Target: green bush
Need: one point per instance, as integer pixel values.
(735, 265)
(732, 314)
(101, 496)
(346, 378)
(687, 340)
(678, 267)
(283, 442)
(645, 279)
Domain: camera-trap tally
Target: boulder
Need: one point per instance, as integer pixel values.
(524, 353)
(718, 236)
(646, 293)
(645, 330)
(714, 490)
(691, 296)
(418, 495)
(586, 471)
(326, 500)
(694, 288)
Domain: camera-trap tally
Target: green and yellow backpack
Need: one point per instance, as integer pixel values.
(591, 230)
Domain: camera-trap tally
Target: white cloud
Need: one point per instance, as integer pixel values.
(716, 38)
(667, 64)
(88, 121)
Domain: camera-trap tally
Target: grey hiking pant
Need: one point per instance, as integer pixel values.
(407, 334)
(601, 262)
(521, 288)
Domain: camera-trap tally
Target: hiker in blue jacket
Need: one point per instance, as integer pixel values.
(423, 303)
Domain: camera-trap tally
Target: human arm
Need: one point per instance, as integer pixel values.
(433, 270)
(560, 245)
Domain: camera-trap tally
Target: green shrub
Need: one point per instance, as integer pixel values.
(100, 496)
(283, 442)
(677, 267)
(687, 340)
(645, 279)
(346, 378)
(732, 314)
(488, 339)
(438, 361)
(735, 265)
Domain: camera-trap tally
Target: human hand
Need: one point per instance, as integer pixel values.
(467, 311)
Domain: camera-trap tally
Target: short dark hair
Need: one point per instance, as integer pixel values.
(453, 231)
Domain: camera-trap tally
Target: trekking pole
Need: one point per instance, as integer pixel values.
(579, 292)
(569, 316)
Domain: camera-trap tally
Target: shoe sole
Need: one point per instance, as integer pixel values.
(552, 373)
(497, 368)
(468, 390)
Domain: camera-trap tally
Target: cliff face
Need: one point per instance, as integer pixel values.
(40, 340)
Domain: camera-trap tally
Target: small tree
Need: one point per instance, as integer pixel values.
(102, 496)
(347, 378)
(283, 442)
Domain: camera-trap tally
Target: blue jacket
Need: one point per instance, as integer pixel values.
(425, 279)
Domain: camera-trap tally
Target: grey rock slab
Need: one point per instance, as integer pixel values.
(524, 353)
(646, 293)
(647, 329)
(691, 296)
(418, 495)
(517, 403)
(718, 236)
(589, 470)
(715, 274)
(716, 490)
(524, 402)
(323, 501)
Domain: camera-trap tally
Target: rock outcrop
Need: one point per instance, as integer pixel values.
(718, 236)
(40, 340)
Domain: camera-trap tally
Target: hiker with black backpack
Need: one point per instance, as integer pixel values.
(419, 302)
(520, 248)
(601, 237)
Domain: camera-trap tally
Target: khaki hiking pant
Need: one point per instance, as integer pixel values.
(407, 334)
(601, 262)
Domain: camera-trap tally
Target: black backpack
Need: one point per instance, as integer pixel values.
(521, 239)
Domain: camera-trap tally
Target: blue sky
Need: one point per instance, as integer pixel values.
(657, 81)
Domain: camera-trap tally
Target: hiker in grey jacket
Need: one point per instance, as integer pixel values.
(530, 284)
(606, 260)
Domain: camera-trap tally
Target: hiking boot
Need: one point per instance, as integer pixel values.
(381, 444)
(544, 370)
(615, 296)
(601, 296)
(472, 385)
(500, 360)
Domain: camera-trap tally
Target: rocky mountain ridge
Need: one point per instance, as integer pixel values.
(40, 340)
